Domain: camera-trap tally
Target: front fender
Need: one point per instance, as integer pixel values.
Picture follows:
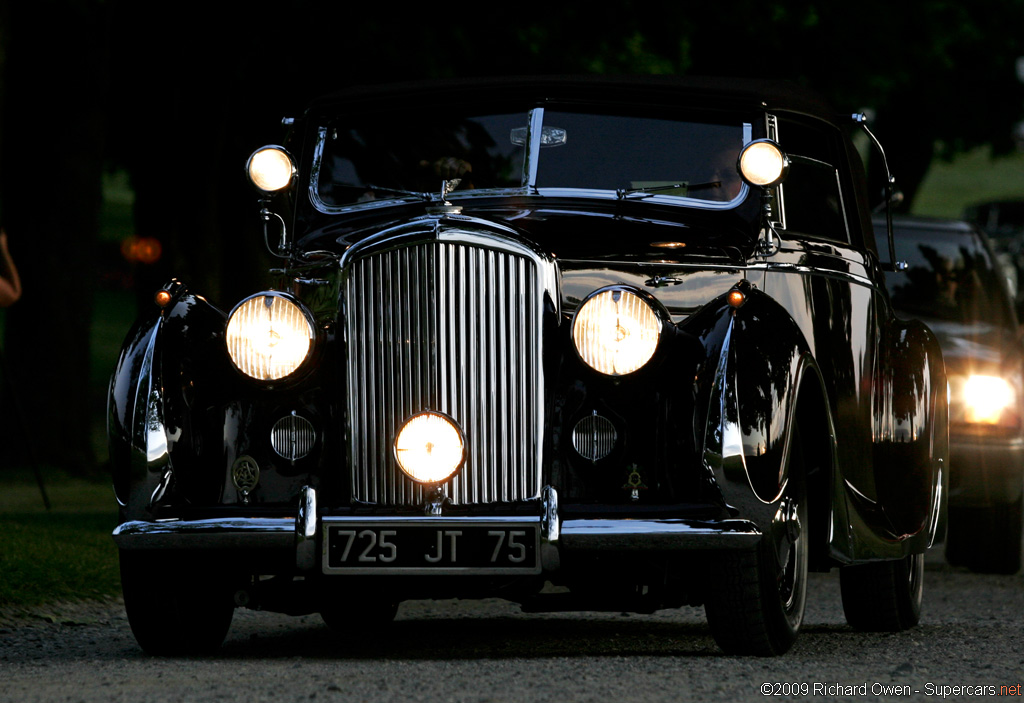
(151, 388)
(757, 357)
(135, 423)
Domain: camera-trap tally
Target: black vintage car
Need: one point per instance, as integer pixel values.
(954, 284)
(580, 344)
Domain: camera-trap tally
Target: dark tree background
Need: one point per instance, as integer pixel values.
(179, 94)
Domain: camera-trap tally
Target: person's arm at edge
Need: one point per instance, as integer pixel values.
(10, 282)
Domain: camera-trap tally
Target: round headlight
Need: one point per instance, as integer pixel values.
(429, 447)
(763, 163)
(268, 336)
(270, 169)
(616, 331)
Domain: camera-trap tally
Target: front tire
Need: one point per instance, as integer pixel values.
(174, 608)
(883, 596)
(755, 603)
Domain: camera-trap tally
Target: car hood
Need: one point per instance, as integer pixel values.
(585, 231)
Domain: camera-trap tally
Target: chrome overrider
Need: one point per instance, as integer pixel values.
(302, 533)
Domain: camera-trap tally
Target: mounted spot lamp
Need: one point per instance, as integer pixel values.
(271, 170)
(764, 165)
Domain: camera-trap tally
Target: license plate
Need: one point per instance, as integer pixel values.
(437, 547)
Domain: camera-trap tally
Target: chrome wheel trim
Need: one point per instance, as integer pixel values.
(791, 555)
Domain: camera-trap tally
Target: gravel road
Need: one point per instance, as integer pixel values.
(487, 651)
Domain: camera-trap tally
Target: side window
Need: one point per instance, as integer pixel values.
(813, 200)
(812, 194)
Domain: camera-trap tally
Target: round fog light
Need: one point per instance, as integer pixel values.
(430, 448)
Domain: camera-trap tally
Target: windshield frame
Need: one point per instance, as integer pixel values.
(531, 165)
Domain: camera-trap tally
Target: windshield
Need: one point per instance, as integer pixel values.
(388, 156)
(950, 276)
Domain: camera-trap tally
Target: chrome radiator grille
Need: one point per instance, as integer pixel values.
(454, 327)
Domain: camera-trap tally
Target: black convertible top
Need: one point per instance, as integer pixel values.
(652, 91)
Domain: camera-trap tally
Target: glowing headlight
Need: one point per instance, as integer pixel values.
(268, 336)
(984, 400)
(763, 163)
(270, 169)
(429, 448)
(616, 331)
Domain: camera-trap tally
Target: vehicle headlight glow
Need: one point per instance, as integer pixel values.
(270, 169)
(268, 336)
(616, 331)
(763, 163)
(429, 447)
(986, 399)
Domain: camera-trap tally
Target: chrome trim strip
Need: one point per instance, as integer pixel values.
(148, 422)
(760, 267)
(657, 534)
(214, 533)
(551, 523)
(305, 530)
(551, 529)
(440, 523)
(536, 126)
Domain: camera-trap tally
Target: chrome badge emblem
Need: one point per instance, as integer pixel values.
(245, 474)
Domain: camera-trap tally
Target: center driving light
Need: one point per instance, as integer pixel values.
(430, 447)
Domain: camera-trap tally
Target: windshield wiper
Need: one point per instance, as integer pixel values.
(382, 189)
(646, 192)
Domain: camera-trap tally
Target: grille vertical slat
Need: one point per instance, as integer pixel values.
(454, 327)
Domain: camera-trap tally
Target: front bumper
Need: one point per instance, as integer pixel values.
(985, 472)
(303, 534)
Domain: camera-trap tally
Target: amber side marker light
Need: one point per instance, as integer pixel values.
(736, 298)
(162, 298)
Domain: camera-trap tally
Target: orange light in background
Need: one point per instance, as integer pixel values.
(141, 250)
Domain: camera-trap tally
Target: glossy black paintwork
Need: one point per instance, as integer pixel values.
(708, 424)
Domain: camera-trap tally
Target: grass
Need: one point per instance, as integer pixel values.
(66, 553)
(973, 177)
(63, 554)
